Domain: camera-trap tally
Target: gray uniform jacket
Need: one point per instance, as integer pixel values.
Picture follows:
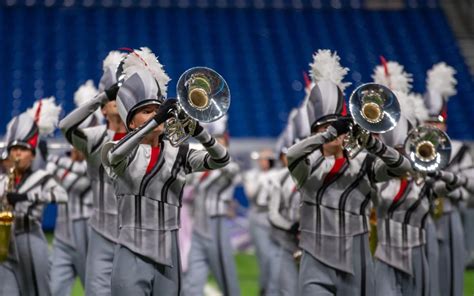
(40, 188)
(258, 188)
(401, 217)
(400, 222)
(149, 203)
(213, 194)
(461, 164)
(284, 210)
(335, 210)
(73, 177)
(89, 141)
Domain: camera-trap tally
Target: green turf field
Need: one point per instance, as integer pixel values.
(248, 277)
(247, 271)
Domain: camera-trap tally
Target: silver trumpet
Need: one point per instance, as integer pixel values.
(428, 148)
(204, 96)
(374, 109)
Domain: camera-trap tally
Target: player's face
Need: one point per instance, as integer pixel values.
(77, 155)
(143, 115)
(334, 144)
(110, 109)
(24, 155)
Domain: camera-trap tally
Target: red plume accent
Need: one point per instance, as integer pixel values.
(344, 108)
(444, 112)
(34, 140)
(383, 61)
(38, 111)
(126, 49)
(385, 67)
(132, 51)
(307, 80)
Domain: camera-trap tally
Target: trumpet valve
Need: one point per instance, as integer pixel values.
(372, 112)
(425, 151)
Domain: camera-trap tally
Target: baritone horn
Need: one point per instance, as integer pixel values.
(6, 213)
(202, 95)
(374, 109)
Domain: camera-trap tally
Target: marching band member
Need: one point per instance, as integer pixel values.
(284, 218)
(149, 174)
(258, 189)
(403, 205)
(336, 192)
(452, 250)
(210, 245)
(71, 234)
(104, 220)
(25, 272)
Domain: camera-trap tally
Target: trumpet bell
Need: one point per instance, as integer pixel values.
(428, 148)
(374, 107)
(203, 94)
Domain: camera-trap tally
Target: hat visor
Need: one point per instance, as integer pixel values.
(325, 120)
(138, 106)
(22, 144)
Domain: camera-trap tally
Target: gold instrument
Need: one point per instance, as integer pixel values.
(204, 96)
(6, 214)
(438, 208)
(374, 109)
(373, 237)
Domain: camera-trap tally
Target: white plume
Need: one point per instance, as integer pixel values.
(84, 93)
(419, 113)
(397, 79)
(441, 80)
(412, 107)
(326, 66)
(405, 106)
(144, 58)
(48, 116)
(113, 59)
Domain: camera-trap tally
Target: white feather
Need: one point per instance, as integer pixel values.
(112, 60)
(144, 58)
(397, 80)
(405, 106)
(84, 93)
(412, 107)
(326, 66)
(441, 80)
(48, 116)
(419, 113)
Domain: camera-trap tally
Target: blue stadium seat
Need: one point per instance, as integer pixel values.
(261, 52)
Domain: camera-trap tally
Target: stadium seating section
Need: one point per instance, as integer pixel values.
(261, 47)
